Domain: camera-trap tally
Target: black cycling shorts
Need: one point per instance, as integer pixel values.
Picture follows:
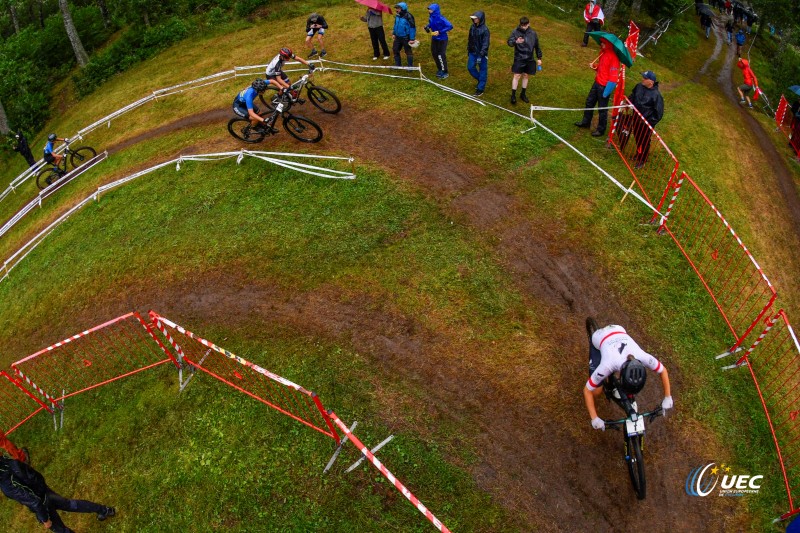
(240, 108)
(48, 158)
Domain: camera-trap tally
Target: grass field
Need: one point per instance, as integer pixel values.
(439, 297)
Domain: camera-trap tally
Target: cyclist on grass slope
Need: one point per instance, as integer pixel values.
(243, 104)
(275, 74)
(611, 350)
(50, 156)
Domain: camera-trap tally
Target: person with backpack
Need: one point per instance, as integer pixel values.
(316, 25)
(404, 34)
(525, 43)
(22, 483)
(438, 26)
(478, 51)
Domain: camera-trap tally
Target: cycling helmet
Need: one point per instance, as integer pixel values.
(633, 376)
(52, 137)
(259, 85)
(286, 53)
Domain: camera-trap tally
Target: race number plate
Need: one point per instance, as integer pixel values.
(635, 428)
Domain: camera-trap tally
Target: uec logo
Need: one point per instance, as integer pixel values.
(702, 480)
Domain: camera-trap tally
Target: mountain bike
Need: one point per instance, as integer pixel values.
(76, 156)
(634, 424)
(322, 98)
(301, 128)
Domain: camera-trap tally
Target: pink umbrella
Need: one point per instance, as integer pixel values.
(374, 4)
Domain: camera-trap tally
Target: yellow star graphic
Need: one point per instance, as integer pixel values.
(727, 469)
(722, 466)
(714, 470)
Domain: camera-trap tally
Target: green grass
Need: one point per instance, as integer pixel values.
(211, 451)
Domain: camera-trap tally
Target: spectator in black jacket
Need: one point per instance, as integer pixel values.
(478, 51)
(25, 485)
(648, 101)
(315, 25)
(22, 147)
(525, 42)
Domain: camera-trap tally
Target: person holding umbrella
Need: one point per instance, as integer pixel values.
(438, 26)
(594, 17)
(612, 50)
(374, 20)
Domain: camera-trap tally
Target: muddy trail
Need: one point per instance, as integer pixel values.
(537, 457)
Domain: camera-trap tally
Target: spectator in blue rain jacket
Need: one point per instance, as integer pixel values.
(438, 26)
(404, 33)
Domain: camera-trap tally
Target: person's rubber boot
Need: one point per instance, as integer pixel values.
(513, 96)
(323, 53)
(582, 124)
(108, 512)
(598, 133)
(524, 97)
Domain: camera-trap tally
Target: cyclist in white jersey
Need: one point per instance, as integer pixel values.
(611, 350)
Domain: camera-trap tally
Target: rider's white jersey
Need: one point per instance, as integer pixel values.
(615, 346)
(274, 67)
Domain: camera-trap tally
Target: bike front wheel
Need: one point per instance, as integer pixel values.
(47, 177)
(268, 98)
(302, 129)
(241, 129)
(324, 100)
(81, 155)
(635, 461)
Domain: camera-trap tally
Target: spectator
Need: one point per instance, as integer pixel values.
(728, 7)
(605, 81)
(404, 33)
(750, 82)
(648, 101)
(525, 43)
(438, 26)
(478, 51)
(316, 25)
(749, 18)
(23, 148)
(13, 451)
(740, 40)
(594, 17)
(20, 482)
(374, 20)
(706, 23)
(729, 29)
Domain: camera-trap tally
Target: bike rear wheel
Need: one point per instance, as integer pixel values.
(244, 131)
(47, 177)
(635, 461)
(302, 129)
(324, 100)
(81, 155)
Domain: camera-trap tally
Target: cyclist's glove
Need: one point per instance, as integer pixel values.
(598, 423)
(667, 403)
(311, 68)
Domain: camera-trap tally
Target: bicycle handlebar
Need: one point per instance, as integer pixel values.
(650, 416)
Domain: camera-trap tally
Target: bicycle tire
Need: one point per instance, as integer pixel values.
(268, 96)
(80, 155)
(240, 128)
(302, 129)
(635, 462)
(47, 177)
(324, 100)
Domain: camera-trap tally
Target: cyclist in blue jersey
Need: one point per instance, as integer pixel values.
(243, 104)
(50, 156)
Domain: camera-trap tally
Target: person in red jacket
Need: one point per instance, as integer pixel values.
(750, 82)
(594, 17)
(605, 81)
(13, 451)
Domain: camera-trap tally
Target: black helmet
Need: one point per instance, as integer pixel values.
(286, 53)
(259, 85)
(633, 376)
(52, 137)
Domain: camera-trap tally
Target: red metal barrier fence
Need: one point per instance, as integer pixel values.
(17, 404)
(789, 124)
(108, 352)
(736, 283)
(774, 364)
(273, 390)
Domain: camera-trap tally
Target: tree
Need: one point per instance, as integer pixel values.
(609, 8)
(12, 9)
(72, 33)
(104, 11)
(4, 129)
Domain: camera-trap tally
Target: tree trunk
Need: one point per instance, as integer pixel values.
(636, 7)
(609, 8)
(104, 12)
(4, 129)
(146, 19)
(41, 13)
(13, 9)
(72, 33)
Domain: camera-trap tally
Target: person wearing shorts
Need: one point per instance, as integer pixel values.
(50, 156)
(525, 43)
(244, 103)
(316, 25)
(750, 82)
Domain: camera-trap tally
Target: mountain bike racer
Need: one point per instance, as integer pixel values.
(50, 156)
(243, 104)
(611, 350)
(275, 74)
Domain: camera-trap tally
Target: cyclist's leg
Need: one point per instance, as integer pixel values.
(594, 353)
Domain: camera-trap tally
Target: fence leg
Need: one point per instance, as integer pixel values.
(193, 370)
(339, 449)
(628, 191)
(373, 450)
(63, 393)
